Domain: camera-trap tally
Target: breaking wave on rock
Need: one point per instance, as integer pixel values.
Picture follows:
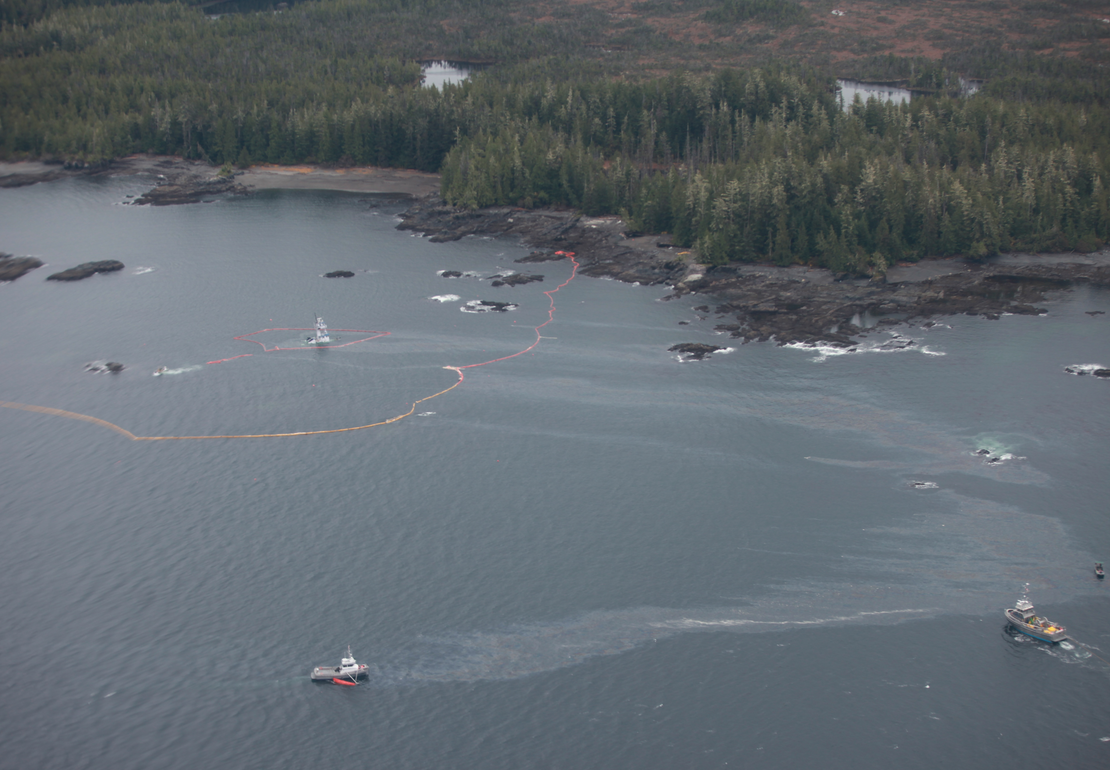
(487, 306)
(1079, 370)
(896, 343)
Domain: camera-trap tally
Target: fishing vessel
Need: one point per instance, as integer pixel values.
(1099, 573)
(321, 333)
(348, 672)
(1024, 618)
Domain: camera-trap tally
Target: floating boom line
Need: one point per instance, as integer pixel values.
(457, 369)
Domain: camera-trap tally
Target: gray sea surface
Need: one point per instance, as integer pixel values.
(588, 555)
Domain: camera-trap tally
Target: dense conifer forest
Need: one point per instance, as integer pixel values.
(757, 162)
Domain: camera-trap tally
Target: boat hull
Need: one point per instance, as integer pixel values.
(327, 673)
(1037, 632)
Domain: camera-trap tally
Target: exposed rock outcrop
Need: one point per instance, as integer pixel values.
(515, 279)
(488, 306)
(86, 269)
(786, 304)
(693, 351)
(13, 267)
(190, 190)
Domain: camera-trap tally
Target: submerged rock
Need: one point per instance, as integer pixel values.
(86, 269)
(515, 279)
(104, 367)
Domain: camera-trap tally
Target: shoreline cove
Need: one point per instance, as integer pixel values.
(755, 302)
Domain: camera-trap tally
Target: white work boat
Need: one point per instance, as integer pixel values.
(321, 333)
(348, 672)
(1024, 618)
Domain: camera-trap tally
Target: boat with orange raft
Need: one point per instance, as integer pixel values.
(1023, 617)
(348, 672)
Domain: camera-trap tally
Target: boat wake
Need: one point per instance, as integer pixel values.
(1067, 651)
(527, 649)
(163, 371)
(967, 561)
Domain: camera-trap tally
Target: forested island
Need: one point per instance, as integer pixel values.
(716, 122)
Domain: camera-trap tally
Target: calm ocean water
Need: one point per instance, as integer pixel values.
(587, 556)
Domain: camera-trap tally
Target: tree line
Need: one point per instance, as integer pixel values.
(766, 166)
(757, 164)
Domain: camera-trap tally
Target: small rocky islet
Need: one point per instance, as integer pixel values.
(515, 279)
(87, 269)
(104, 367)
(13, 267)
(693, 351)
(1080, 371)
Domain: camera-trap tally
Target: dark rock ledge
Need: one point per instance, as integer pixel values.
(190, 189)
(515, 279)
(693, 351)
(85, 270)
(13, 267)
(791, 304)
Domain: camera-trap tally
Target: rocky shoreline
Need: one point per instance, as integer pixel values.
(752, 302)
(190, 190)
(784, 304)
